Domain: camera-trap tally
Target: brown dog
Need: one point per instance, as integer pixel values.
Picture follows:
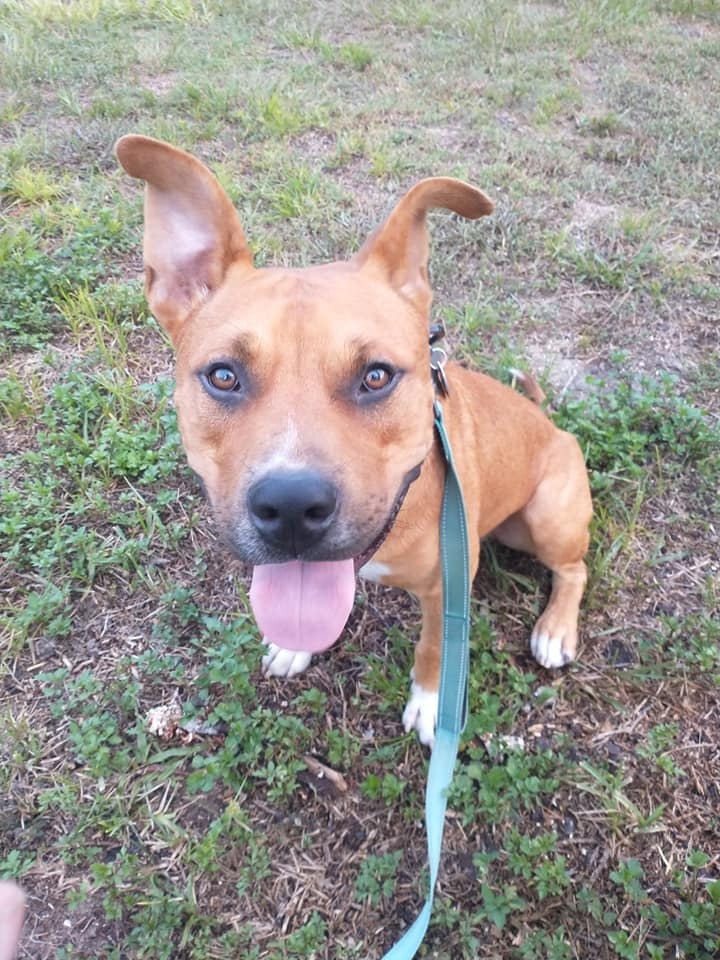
(305, 402)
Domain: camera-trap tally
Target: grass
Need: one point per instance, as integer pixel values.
(584, 809)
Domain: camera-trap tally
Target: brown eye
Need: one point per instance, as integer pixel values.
(376, 378)
(223, 378)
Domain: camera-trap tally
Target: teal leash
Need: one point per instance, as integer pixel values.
(452, 706)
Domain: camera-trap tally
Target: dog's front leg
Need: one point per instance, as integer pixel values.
(421, 711)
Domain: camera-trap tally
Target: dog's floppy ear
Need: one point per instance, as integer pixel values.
(192, 232)
(398, 249)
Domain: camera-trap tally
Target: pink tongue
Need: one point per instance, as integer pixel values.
(303, 606)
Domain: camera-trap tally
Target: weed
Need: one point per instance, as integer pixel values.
(386, 160)
(384, 678)
(34, 280)
(628, 876)
(277, 114)
(256, 865)
(388, 787)
(258, 744)
(163, 917)
(15, 405)
(693, 922)
(349, 146)
(530, 858)
(298, 195)
(342, 748)
(549, 946)
(230, 828)
(87, 442)
(315, 701)
(614, 268)
(609, 786)
(304, 942)
(602, 125)
(104, 318)
(487, 790)
(498, 905)
(659, 740)
(15, 865)
(32, 186)
(692, 642)
(100, 738)
(377, 877)
(625, 426)
(45, 611)
(355, 55)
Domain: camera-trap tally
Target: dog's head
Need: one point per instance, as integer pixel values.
(304, 396)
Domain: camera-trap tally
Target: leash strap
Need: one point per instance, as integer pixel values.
(452, 707)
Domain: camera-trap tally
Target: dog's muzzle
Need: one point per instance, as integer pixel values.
(299, 603)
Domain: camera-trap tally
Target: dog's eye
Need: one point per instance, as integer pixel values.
(223, 378)
(377, 378)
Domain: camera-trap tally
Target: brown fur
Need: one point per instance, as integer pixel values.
(302, 335)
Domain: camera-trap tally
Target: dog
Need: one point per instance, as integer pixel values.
(305, 405)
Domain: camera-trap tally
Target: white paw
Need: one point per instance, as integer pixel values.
(421, 713)
(279, 662)
(548, 649)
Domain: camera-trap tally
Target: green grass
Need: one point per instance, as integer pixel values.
(584, 808)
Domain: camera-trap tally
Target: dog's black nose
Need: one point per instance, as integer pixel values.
(292, 510)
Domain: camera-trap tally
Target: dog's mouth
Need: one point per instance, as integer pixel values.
(304, 605)
(373, 548)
